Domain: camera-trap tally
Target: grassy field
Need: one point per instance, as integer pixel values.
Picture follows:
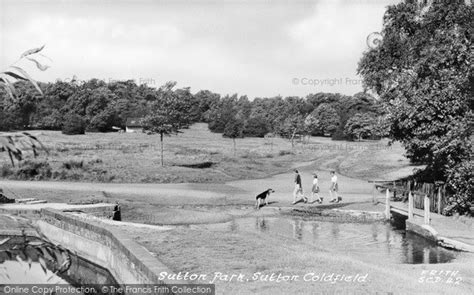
(135, 157)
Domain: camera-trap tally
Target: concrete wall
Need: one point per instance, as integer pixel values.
(422, 230)
(102, 210)
(127, 261)
(429, 232)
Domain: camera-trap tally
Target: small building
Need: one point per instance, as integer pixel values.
(134, 125)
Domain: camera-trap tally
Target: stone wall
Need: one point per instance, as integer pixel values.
(102, 210)
(127, 261)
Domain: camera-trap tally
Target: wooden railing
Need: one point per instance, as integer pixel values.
(430, 197)
(411, 206)
(436, 192)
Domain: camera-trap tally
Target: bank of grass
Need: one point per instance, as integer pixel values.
(197, 155)
(201, 251)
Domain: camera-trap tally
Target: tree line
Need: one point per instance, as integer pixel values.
(98, 106)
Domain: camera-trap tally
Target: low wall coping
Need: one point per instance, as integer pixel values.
(139, 256)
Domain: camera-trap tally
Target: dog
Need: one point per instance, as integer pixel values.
(263, 197)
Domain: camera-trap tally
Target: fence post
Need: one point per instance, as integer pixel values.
(439, 200)
(394, 190)
(410, 205)
(387, 204)
(427, 210)
(374, 201)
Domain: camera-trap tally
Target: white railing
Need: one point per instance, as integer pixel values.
(426, 211)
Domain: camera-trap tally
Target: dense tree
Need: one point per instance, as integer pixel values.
(73, 124)
(48, 113)
(256, 125)
(99, 112)
(206, 100)
(221, 112)
(105, 105)
(422, 72)
(325, 120)
(361, 125)
(189, 104)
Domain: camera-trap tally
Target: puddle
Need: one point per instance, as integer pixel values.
(376, 242)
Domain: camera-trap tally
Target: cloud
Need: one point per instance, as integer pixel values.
(252, 48)
(336, 29)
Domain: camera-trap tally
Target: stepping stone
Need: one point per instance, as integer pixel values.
(25, 200)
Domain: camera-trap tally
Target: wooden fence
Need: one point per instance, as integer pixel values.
(436, 193)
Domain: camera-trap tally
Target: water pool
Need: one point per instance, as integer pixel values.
(29, 260)
(376, 241)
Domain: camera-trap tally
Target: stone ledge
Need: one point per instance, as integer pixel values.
(103, 210)
(430, 233)
(124, 250)
(18, 232)
(453, 244)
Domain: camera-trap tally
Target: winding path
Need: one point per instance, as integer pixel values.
(205, 193)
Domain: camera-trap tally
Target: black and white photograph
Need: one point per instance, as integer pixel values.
(204, 147)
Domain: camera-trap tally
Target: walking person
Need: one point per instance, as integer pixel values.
(334, 188)
(298, 192)
(315, 189)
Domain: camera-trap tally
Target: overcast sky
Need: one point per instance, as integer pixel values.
(260, 48)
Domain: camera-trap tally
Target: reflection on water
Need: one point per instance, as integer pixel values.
(25, 260)
(375, 241)
(260, 224)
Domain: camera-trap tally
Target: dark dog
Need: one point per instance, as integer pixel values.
(263, 197)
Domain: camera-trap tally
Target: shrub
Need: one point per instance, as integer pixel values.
(285, 152)
(72, 164)
(95, 161)
(202, 165)
(461, 181)
(60, 175)
(33, 169)
(62, 149)
(73, 124)
(6, 171)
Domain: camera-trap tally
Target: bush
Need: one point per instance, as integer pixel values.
(6, 171)
(95, 160)
(73, 124)
(32, 169)
(73, 164)
(285, 152)
(461, 181)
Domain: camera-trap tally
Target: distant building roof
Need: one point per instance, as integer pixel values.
(134, 122)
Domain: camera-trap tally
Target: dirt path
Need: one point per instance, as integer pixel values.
(241, 190)
(162, 204)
